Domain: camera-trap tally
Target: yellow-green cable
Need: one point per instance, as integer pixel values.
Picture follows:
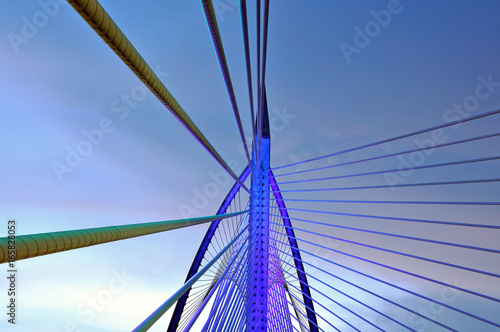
(95, 15)
(28, 246)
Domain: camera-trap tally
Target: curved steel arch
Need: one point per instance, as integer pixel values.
(304, 285)
(195, 266)
(294, 247)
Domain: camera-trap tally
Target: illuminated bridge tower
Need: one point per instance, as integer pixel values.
(248, 273)
(258, 278)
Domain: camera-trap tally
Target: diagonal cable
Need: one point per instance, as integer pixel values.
(95, 15)
(151, 319)
(28, 246)
(246, 44)
(219, 49)
(444, 243)
(423, 184)
(418, 132)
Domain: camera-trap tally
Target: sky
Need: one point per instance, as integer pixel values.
(340, 74)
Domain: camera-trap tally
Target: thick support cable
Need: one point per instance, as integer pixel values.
(95, 15)
(418, 132)
(311, 315)
(195, 266)
(246, 44)
(259, 90)
(148, 322)
(28, 246)
(262, 66)
(264, 44)
(219, 49)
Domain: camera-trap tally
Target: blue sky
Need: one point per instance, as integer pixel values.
(62, 81)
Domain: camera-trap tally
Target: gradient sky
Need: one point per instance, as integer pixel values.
(62, 81)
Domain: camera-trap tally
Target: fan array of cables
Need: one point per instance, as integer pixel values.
(398, 234)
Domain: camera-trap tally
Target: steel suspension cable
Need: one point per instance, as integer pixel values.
(391, 202)
(95, 15)
(235, 305)
(222, 294)
(242, 272)
(367, 291)
(438, 222)
(394, 252)
(468, 140)
(148, 322)
(246, 44)
(238, 307)
(453, 163)
(406, 272)
(297, 310)
(298, 320)
(394, 138)
(400, 236)
(34, 245)
(327, 309)
(209, 295)
(410, 292)
(214, 321)
(295, 250)
(262, 77)
(423, 184)
(259, 89)
(205, 246)
(338, 303)
(219, 49)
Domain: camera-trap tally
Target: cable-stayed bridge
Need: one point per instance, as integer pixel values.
(268, 261)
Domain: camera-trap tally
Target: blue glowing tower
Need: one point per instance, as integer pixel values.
(258, 255)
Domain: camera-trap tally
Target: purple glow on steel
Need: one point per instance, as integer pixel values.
(311, 314)
(195, 266)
